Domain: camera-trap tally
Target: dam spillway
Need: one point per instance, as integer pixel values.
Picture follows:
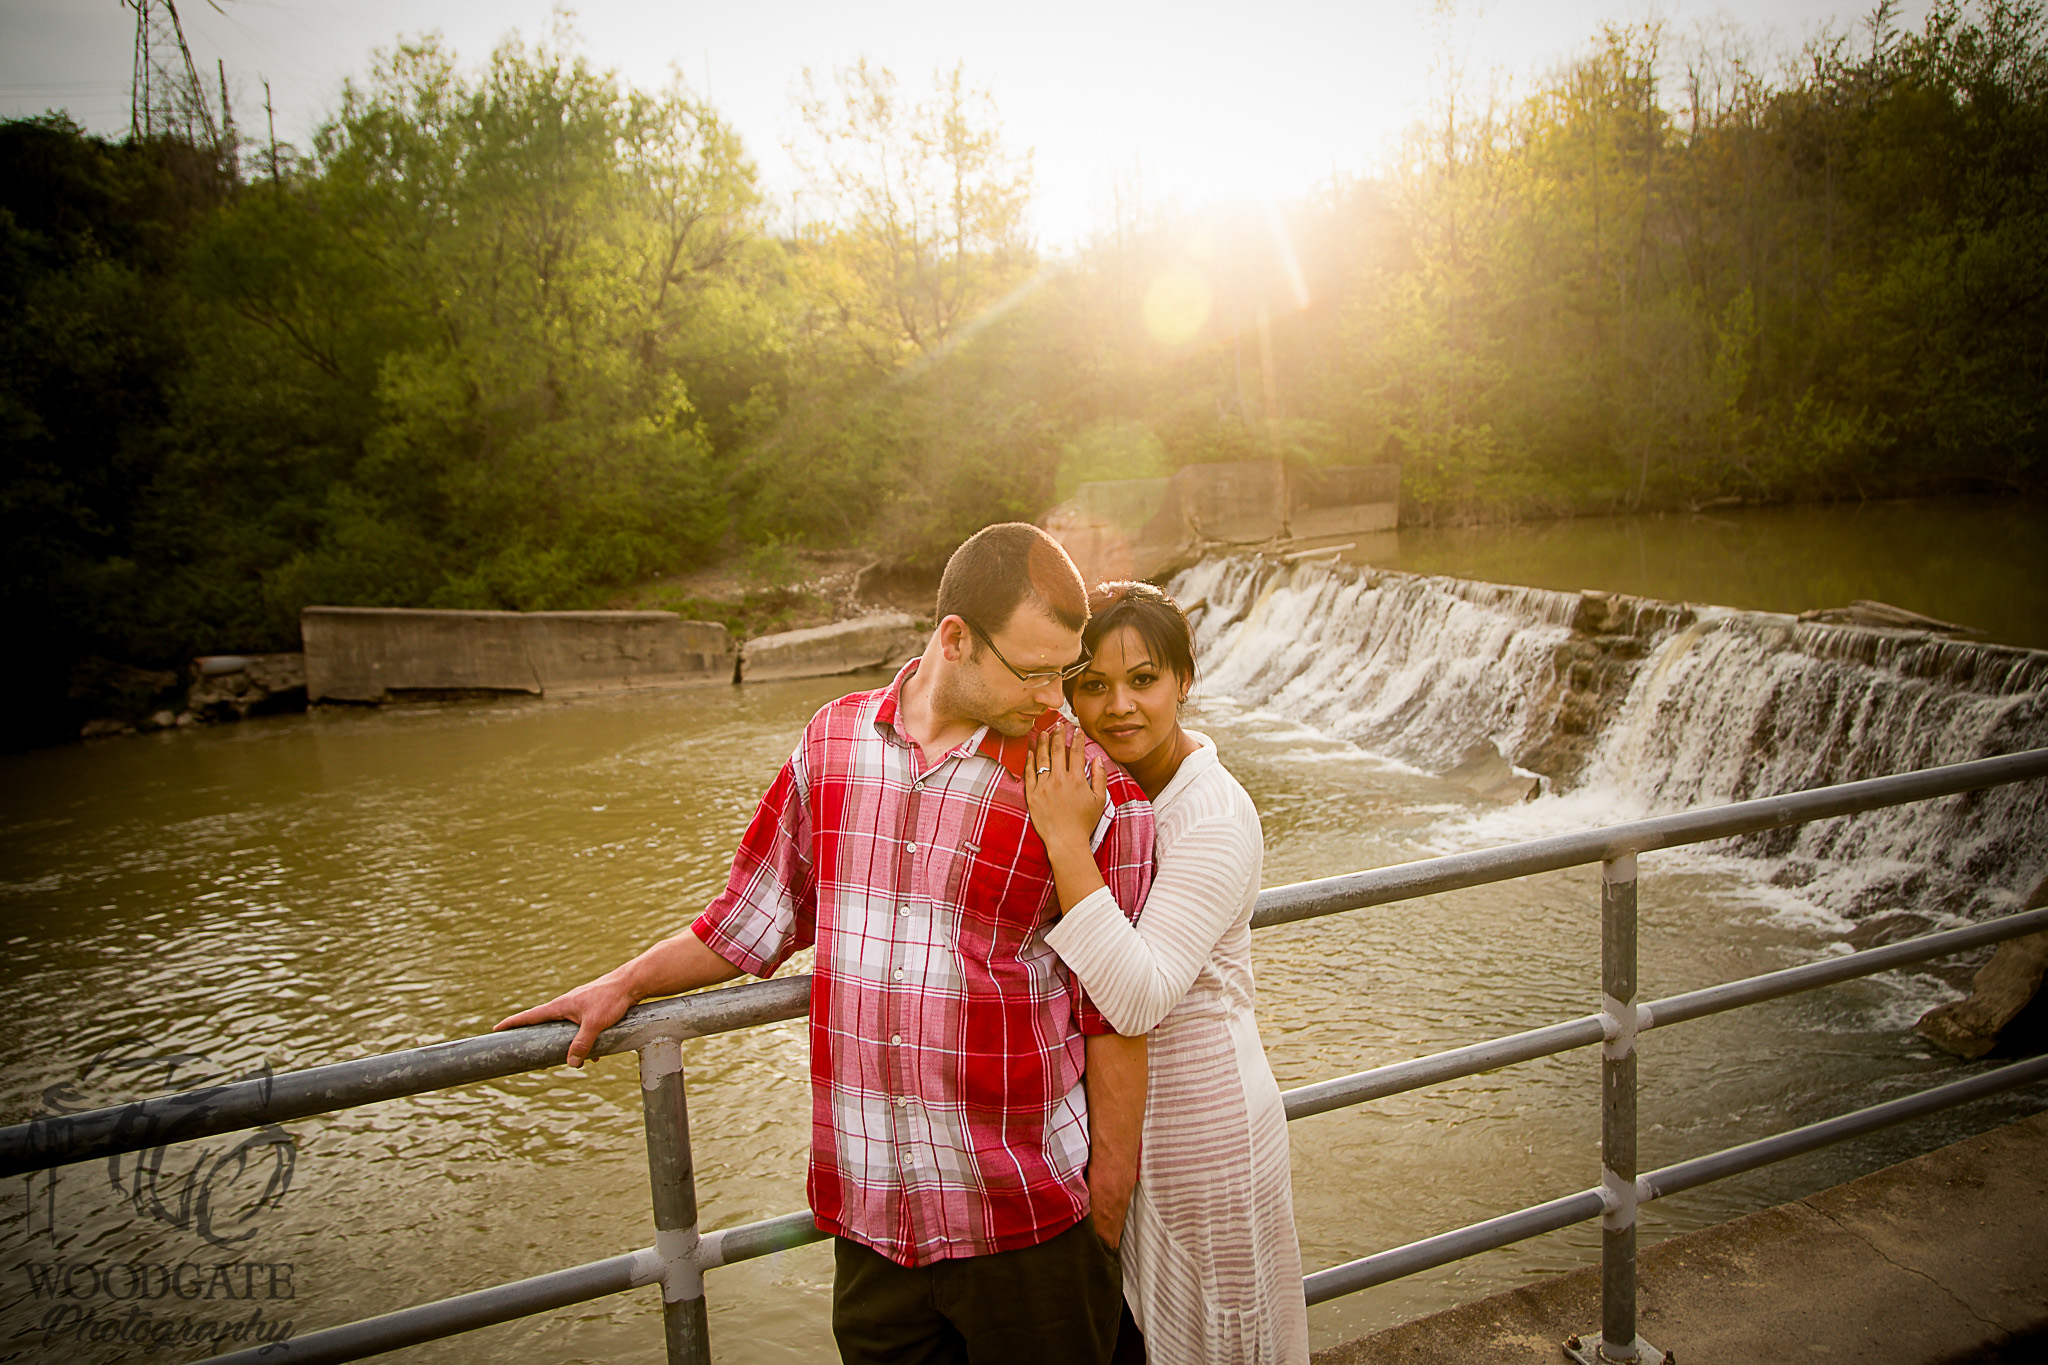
(1631, 708)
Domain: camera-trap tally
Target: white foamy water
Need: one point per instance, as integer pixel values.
(1729, 706)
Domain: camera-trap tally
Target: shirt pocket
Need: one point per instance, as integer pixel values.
(1002, 886)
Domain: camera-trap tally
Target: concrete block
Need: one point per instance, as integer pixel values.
(1130, 503)
(1344, 485)
(369, 654)
(1102, 549)
(1137, 528)
(576, 652)
(1240, 501)
(842, 647)
(1344, 500)
(1364, 518)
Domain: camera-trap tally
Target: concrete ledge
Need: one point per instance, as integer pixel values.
(1366, 518)
(1135, 528)
(368, 654)
(842, 647)
(1939, 1260)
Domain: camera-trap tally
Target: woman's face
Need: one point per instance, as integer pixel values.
(1127, 702)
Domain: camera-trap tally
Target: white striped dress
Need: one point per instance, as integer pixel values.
(1212, 1269)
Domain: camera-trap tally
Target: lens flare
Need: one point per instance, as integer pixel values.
(1177, 303)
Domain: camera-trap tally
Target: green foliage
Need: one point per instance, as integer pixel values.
(1109, 450)
(515, 336)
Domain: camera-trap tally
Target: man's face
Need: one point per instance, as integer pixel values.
(984, 690)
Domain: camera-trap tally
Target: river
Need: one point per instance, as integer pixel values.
(315, 888)
(1977, 562)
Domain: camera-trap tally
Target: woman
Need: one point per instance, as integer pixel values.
(1212, 1270)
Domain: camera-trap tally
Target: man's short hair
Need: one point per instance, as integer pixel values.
(1000, 567)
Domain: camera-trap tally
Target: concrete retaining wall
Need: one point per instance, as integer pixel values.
(1136, 528)
(842, 647)
(368, 654)
(1347, 500)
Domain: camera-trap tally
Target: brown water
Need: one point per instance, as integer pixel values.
(317, 888)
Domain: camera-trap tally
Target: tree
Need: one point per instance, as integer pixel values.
(521, 277)
(925, 227)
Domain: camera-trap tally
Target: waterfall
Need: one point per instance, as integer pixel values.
(1413, 668)
(1640, 708)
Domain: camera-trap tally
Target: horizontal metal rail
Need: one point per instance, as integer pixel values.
(523, 1298)
(1445, 1247)
(1494, 1053)
(1704, 1170)
(1523, 1224)
(56, 1140)
(463, 1313)
(730, 1246)
(1404, 881)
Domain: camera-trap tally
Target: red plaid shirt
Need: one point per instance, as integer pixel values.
(947, 1115)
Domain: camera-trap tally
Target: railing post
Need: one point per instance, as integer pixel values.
(1617, 1340)
(673, 1177)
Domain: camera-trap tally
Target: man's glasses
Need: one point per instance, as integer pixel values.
(1036, 676)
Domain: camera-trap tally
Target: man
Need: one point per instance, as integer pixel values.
(951, 1130)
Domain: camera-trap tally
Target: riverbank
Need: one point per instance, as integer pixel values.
(1934, 1261)
(1975, 561)
(792, 614)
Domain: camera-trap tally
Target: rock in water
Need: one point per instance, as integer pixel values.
(234, 687)
(1483, 771)
(2001, 991)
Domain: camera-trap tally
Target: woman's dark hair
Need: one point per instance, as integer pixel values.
(1157, 619)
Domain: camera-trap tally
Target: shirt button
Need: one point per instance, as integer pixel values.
(902, 1100)
(910, 848)
(899, 973)
(902, 909)
(896, 1038)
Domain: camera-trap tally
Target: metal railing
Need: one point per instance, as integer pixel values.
(680, 1254)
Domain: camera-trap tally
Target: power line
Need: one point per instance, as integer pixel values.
(166, 98)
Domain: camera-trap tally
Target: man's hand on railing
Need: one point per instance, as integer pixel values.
(593, 1007)
(670, 967)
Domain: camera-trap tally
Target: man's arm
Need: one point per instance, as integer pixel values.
(1116, 1126)
(670, 967)
(767, 899)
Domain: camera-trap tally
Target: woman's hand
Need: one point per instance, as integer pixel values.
(1064, 792)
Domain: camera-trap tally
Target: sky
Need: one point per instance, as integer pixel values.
(1188, 101)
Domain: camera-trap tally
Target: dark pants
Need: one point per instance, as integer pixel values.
(1057, 1301)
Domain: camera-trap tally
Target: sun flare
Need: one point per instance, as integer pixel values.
(1177, 303)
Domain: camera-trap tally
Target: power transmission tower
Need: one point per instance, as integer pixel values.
(167, 100)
